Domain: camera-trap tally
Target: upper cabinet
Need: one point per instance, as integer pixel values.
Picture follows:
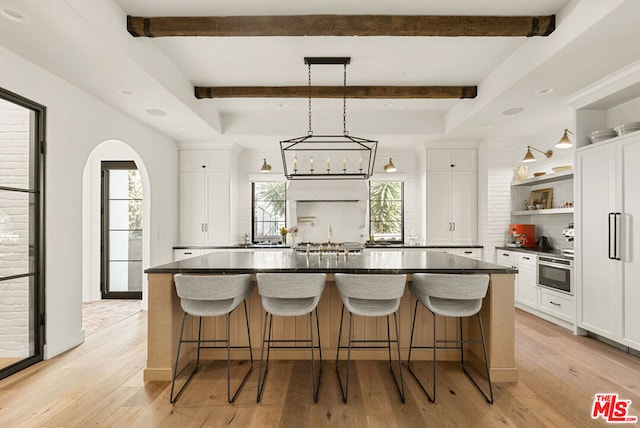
(206, 197)
(451, 196)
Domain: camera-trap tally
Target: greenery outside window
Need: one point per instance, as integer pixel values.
(268, 213)
(386, 210)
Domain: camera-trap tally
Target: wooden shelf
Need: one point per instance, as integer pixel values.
(544, 212)
(547, 178)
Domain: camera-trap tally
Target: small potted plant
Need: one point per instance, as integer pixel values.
(283, 233)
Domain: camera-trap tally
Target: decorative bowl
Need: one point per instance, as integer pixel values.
(626, 128)
(538, 174)
(601, 135)
(562, 168)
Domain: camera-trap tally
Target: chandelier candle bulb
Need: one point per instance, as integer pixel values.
(295, 163)
(344, 164)
(328, 165)
(311, 164)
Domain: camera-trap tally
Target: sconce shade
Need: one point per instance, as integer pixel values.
(265, 167)
(528, 157)
(565, 142)
(390, 167)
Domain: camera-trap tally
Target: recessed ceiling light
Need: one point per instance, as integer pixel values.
(14, 15)
(487, 126)
(155, 112)
(388, 105)
(512, 111)
(180, 128)
(127, 92)
(283, 105)
(544, 91)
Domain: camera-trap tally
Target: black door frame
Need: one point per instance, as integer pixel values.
(37, 274)
(104, 231)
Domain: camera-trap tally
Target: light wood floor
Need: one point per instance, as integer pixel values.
(100, 384)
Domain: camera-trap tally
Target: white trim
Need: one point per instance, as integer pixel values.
(267, 177)
(388, 177)
(206, 146)
(609, 85)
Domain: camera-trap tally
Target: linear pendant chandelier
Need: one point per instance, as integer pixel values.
(328, 156)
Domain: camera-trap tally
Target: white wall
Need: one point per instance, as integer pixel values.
(405, 159)
(497, 162)
(76, 123)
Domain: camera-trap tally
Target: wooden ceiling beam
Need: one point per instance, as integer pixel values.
(341, 25)
(367, 92)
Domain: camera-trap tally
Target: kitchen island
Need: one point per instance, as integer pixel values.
(497, 311)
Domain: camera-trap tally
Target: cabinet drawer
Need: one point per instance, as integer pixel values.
(472, 253)
(506, 258)
(186, 254)
(559, 305)
(527, 259)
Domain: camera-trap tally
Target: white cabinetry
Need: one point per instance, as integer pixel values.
(205, 197)
(553, 306)
(526, 287)
(608, 267)
(608, 209)
(451, 196)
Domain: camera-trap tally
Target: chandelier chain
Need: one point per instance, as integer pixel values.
(310, 132)
(344, 102)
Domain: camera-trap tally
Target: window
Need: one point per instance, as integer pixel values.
(386, 210)
(269, 213)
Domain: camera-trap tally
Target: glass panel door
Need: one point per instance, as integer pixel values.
(121, 231)
(21, 277)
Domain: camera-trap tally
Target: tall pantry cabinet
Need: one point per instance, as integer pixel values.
(607, 242)
(451, 196)
(206, 196)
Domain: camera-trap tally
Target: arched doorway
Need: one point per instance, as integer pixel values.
(110, 150)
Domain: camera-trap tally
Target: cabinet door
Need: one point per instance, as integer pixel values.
(599, 303)
(218, 208)
(438, 205)
(527, 287)
(463, 207)
(193, 160)
(192, 207)
(630, 154)
(464, 160)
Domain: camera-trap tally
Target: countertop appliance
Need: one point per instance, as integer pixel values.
(525, 234)
(555, 273)
(325, 247)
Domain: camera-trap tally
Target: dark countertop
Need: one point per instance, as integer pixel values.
(538, 251)
(371, 261)
(271, 246)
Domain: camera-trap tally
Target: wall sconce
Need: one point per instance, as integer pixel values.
(565, 142)
(528, 157)
(390, 167)
(265, 167)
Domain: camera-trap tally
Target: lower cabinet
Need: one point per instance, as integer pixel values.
(553, 306)
(187, 253)
(472, 253)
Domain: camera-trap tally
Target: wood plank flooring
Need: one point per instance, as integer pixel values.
(100, 384)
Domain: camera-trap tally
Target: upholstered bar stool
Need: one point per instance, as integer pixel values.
(290, 295)
(450, 296)
(212, 296)
(369, 296)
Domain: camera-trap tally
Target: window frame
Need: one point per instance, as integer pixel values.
(371, 234)
(271, 238)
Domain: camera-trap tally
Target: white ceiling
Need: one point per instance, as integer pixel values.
(87, 44)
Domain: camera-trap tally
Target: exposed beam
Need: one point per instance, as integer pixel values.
(372, 92)
(342, 25)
